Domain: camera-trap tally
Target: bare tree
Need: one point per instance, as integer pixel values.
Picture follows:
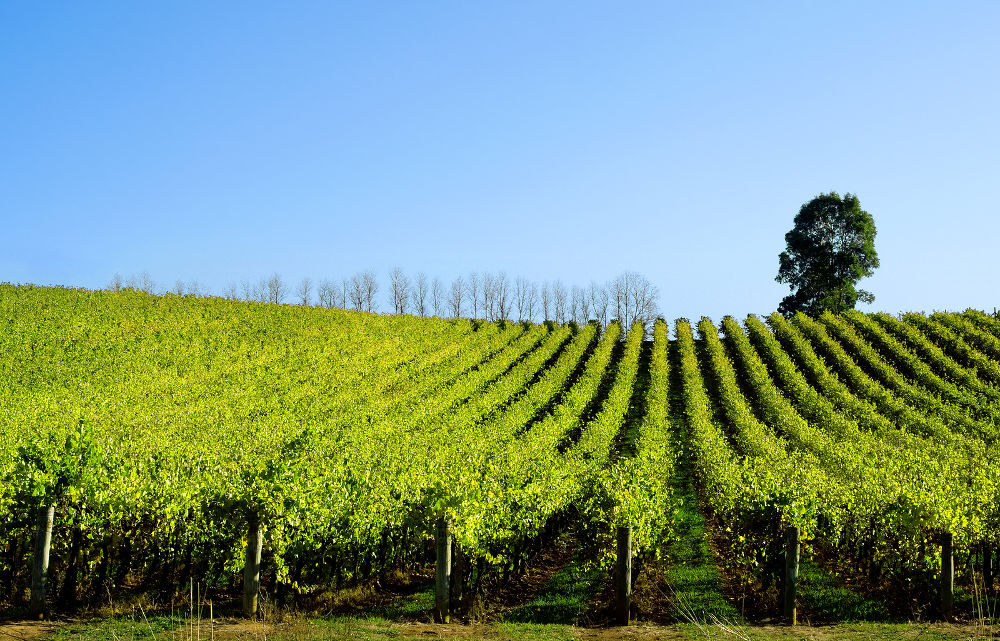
(327, 293)
(644, 297)
(521, 287)
(260, 291)
(116, 283)
(634, 299)
(304, 291)
(178, 289)
(400, 290)
(579, 305)
(437, 296)
(247, 289)
(473, 291)
(502, 287)
(489, 297)
(146, 283)
(345, 292)
(531, 301)
(276, 289)
(455, 298)
(599, 301)
(619, 300)
(231, 291)
(194, 289)
(357, 292)
(370, 286)
(583, 305)
(546, 301)
(559, 296)
(420, 294)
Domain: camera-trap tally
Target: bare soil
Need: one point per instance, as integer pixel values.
(241, 629)
(26, 630)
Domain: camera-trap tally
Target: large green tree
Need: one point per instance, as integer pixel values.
(830, 248)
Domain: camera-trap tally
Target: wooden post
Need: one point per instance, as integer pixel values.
(623, 576)
(40, 563)
(251, 570)
(791, 574)
(947, 574)
(442, 582)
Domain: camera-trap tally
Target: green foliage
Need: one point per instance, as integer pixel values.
(56, 469)
(165, 422)
(830, 248)
(634, 490)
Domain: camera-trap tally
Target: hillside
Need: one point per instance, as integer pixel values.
(164, 430)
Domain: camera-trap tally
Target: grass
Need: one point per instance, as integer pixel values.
(379, 630)
(688, 578)
(168, 628)
(563, 598)
(863, 631)
(692, 576)
(415, 606)
(824, 598)
(122, 627)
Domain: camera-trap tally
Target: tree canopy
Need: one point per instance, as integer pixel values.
(829, 249)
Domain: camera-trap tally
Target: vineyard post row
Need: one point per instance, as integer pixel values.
(443, 570)
(623, 570)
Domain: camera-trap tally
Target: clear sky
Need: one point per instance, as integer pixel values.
(569, 140)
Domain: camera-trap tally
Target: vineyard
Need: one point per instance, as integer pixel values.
(148, 441)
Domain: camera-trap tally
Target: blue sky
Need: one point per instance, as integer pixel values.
(554, 140)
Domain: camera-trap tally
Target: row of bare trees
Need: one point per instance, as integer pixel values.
(357, 292)
(494, 296)
(629, 297)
